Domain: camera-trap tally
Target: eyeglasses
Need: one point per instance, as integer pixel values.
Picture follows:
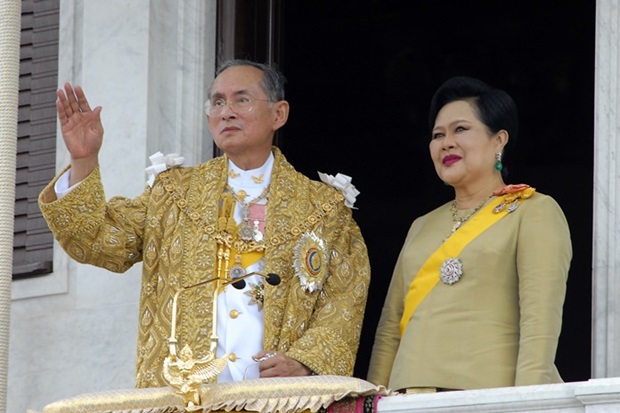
(238, 105)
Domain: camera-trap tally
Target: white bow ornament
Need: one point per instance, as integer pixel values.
(160, 163)
(342, 183)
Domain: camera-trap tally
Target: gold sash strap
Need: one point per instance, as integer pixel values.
(428, 275)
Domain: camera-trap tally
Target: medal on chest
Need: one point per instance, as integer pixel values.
(253, 225)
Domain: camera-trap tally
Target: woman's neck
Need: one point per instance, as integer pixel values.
(472, 195)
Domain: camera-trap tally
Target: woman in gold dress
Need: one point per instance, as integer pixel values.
(477, 292)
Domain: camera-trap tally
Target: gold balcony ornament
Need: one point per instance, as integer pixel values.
(184, 373)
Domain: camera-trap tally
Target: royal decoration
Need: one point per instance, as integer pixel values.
(256, 294)
(249, 230)
(310, 262)
(512, 194)
(451, 271)
(236, 271)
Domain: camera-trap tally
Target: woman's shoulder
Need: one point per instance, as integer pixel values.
(537, 199)
(439, 213)
(523, 194)
(534, 207)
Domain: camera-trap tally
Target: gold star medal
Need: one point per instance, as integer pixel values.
(256, 293)
(310, 262)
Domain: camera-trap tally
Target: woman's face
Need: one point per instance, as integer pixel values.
(462, 148)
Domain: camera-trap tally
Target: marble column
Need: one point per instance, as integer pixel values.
(606, 240)
(180, 71)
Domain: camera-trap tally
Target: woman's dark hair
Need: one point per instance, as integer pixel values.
(494, 107)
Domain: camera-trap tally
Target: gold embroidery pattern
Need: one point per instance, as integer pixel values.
(243, 246)
(258, 179)
(171, 228)
(232, 174)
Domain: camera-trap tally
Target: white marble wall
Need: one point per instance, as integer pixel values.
(147, 63)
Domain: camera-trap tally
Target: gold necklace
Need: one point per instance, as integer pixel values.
(247, 231)
(459, 221)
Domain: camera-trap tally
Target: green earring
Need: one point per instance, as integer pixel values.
(498, 163)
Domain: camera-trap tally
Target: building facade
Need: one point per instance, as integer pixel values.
(148, 64)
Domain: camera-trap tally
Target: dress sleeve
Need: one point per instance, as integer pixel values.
(329, 345)
(387, 338)
(93, 231)
(544, 253)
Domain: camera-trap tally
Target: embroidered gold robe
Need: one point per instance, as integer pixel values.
(171, 228)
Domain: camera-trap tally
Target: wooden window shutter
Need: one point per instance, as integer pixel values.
(36, 135)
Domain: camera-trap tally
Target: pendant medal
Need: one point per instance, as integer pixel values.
(258, 236)
(237, 270)
(246, 232)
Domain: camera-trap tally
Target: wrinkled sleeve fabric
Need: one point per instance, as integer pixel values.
(92, 231)
(543, 257)
(387, 338)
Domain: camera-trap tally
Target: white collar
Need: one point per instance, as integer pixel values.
(253, 178)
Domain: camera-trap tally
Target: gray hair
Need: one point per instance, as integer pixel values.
(272, 83)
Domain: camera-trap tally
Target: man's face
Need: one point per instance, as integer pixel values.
(238, 132)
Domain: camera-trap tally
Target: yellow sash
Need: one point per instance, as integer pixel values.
(428, 276)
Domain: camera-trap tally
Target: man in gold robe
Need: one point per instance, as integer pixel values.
(246, 212)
